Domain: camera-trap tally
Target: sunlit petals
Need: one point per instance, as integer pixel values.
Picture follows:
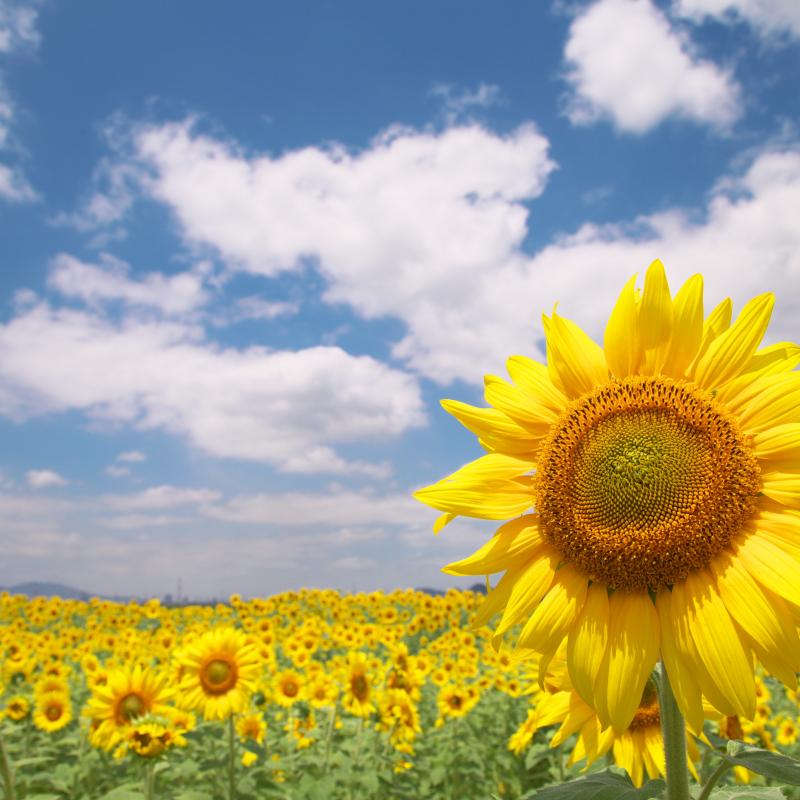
(586, 645)
(575, 362)
(687, 327)
(621, 339)
(729, 353)
(632, 651)
(655, 320)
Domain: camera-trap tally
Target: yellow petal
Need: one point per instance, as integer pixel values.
(687, 328)
(776, 402)
(556, 613)
(771, 566)
(621, 340)
(783, 487)
(631, 654)
(578, 714)
(534, 379)
(586, 645)
(683, 683)
(486, 500)
(771, 360)
(655, 319)
(530, 585)
(519, 406)
(517, 539)
(778, 442)
(685, 646)
(718, 643)
(491, 467)
(753, 611)
(576, 363)
(730, 352)
(487, 421)
(717, 322)
(441, 521)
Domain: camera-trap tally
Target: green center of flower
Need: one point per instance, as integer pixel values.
(644, 480)
(131, 706)
(218, 676)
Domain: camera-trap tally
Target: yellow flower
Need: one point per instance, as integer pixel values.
(220, 672)
(130, 693)
(287, 688)
(17, 707)
(249, 758)
(150, 739)
(251, 726)
(654, 486)
(358, 689)
(52, 711)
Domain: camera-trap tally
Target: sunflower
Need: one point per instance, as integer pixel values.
(288, 688)
(639, 749)
(653, 487)
(131, 692)
(17, 707)
(357, 696)
(220, 672)
(52, 711)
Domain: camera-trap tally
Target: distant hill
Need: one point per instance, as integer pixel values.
(43, 589)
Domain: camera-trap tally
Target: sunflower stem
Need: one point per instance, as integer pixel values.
(713, 780)
(673, 730)
(231, 759)
(7, 772)
(329, 738)
(149, 780)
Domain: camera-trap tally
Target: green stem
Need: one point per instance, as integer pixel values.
(713, 780)
(149, 780)
(673, 730)
(328, 739)
(7, 772)
(231, 759)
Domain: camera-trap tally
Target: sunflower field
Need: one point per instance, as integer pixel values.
(311, 694)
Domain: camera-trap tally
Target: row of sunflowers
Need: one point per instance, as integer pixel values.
(311, 694)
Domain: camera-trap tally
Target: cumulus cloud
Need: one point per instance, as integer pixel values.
(768, 17)
(157, 497)
(459, 104)
(450, 232)
(626, 63)
(278, 407)
(110, 281)
(42, 478)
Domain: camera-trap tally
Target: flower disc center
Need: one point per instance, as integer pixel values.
(644, 480)
(131, 706)
(218, 676)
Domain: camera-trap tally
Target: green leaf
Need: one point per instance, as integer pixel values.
(599, 786)
(773, 765)
(747, 793)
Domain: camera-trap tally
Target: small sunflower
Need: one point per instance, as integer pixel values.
(653, 487)
(52, 711)
(220, 672)
(288, 688)
(130, 693)
(17, 707)
(357, 694)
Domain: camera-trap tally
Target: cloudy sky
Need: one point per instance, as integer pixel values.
(246, 248)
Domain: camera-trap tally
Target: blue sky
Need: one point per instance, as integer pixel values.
(247, 248)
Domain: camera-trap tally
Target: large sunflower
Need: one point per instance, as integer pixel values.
(220, 672)
(662, 473)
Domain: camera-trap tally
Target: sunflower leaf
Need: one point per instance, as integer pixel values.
(599, 786)
(747, 793)
(773, 765)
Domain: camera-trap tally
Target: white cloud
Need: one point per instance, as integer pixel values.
(278, 407)
(457, 104)
(18, 26)
(158, 497)
(626, 63)
(18, 33)
(110, 281)
(132, 456)
(42, 478)
(354, 563)
(769, 17)
(450, 234)
(139, 521)
(341, 506)
(117, 472)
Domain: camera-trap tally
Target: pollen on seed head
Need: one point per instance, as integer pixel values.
(644, 480)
